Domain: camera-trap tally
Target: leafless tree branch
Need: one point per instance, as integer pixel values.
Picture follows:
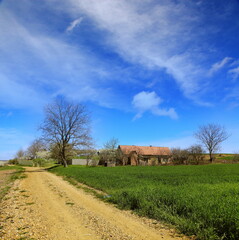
(211, 136)
(66, 124)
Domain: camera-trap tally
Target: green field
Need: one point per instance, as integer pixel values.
(198, 200)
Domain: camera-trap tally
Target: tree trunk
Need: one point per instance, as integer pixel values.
(64, 158)
(65, 163)
(211, 158)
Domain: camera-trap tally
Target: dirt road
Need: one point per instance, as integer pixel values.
(43, 206)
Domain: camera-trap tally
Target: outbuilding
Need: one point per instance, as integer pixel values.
(144, 155)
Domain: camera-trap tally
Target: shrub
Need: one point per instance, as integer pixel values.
(179, 156)
(235, 158)
(195, 154)
(13, 161)
(39, 162)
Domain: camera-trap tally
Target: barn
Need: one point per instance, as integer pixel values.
(144, 155)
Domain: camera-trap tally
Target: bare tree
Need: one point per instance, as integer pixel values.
(110, 153)
(196, 153)
(179, 156)
(55, 152)
(211, 136)
(36, 146)
(66, 126)
(112, 144)
(20, 154)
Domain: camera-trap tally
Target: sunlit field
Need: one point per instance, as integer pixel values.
(198, 200)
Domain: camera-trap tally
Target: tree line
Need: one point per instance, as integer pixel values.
(66, 132)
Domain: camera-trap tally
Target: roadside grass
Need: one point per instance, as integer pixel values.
(198, 200)
(15, 167)
(8, 181)
(221, 158)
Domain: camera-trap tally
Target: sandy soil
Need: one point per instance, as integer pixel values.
(43, 206)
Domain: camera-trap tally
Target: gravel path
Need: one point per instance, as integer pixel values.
(43, 206)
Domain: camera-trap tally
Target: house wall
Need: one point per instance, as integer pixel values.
(84, 162)
(153, 160)
(2, 163)
(134, 159)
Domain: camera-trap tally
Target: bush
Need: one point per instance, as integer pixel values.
(195, 154)
(13, 161)
(39, 162)
(24, 162)
(235, 158)
(179, 156)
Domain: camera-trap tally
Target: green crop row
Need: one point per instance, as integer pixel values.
(198, 200)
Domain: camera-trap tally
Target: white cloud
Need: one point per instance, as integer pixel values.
(36, 66)
(149, 101)
(74, 24)
(18, 95)
(146, 100)
(234, 72)
(219, 65)
(149, 33)
(144, 32)
(165, 112)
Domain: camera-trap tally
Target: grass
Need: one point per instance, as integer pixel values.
(228, 157)
(7, 183)
(221, 158)
(198, 200)
(79, 157)
(10, 168)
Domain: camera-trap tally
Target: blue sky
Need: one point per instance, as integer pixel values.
(150, 72)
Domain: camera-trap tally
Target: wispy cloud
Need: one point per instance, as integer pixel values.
(150, 101)
(74, 24)
(234, 72)
(149, 33)
(6, 114)
(146, 33)
(45, 66)
(17, 95)
(219, 65)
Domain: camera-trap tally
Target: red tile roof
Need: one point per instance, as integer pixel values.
(142, 150)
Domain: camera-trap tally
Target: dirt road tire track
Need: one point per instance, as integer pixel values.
(43, 206)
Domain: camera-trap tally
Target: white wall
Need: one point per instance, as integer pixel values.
(84, 162)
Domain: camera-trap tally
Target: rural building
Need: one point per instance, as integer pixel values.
(142, 155)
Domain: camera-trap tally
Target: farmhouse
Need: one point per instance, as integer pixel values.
(142, 155)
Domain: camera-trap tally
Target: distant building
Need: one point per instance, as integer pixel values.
(142, 155)
(3, 162)
(84, 162)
